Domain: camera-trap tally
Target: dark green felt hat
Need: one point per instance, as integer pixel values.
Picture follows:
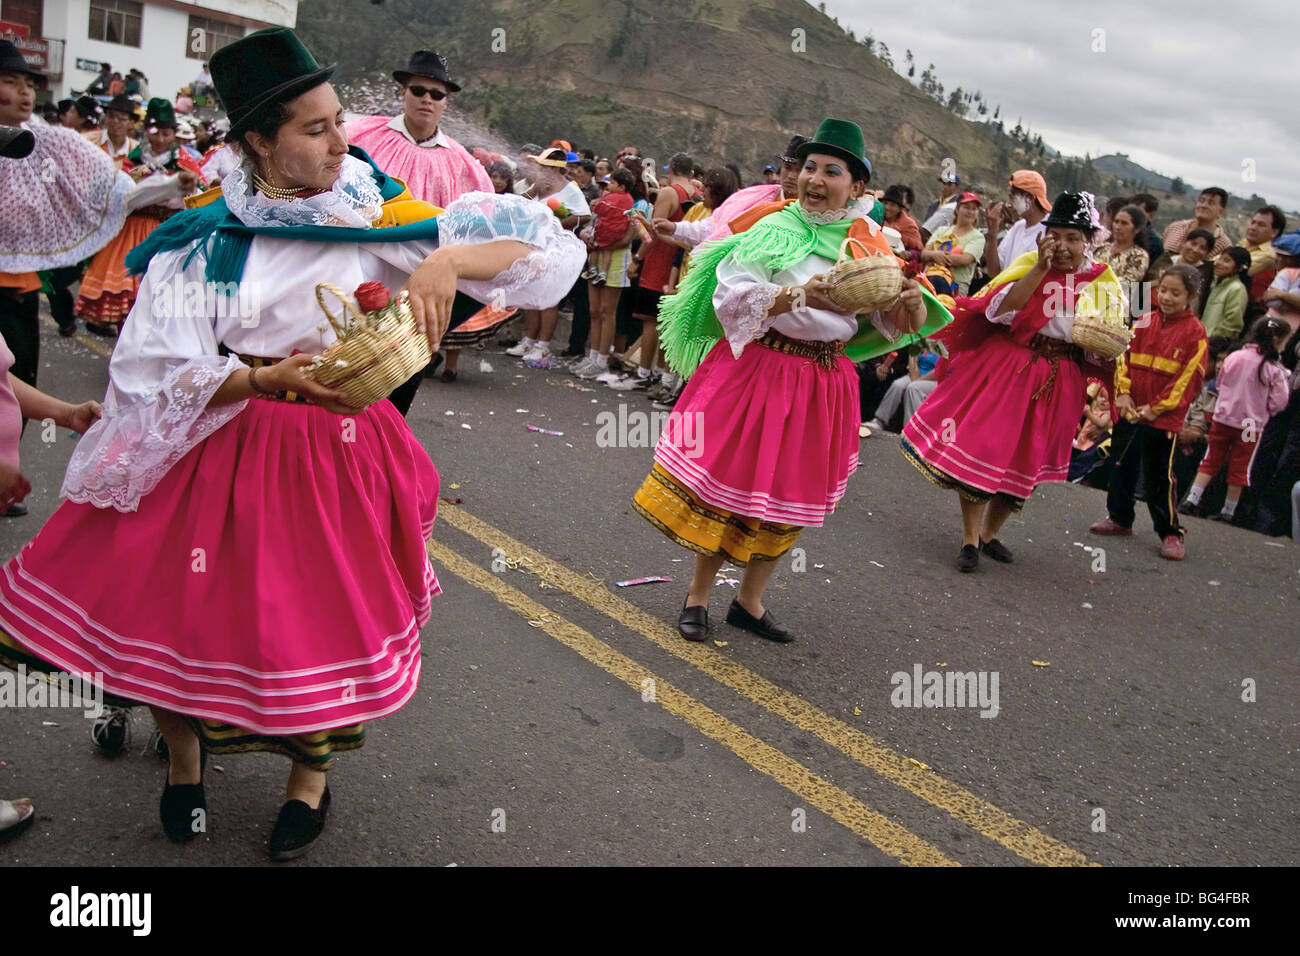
(840, 138)
(160, 113)
(260, 70)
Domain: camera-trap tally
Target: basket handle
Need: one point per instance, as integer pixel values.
(351, 312)
(861, 245)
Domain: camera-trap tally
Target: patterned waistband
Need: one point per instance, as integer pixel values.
(259, 361)
(161, 213)
(1051, 348)
(823, 353)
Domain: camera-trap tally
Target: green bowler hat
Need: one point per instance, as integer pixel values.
(264, 68)
(160, 113)
(840, 138)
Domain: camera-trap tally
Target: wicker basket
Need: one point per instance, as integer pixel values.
(864, 285)
(375, 353)
(1101, 336)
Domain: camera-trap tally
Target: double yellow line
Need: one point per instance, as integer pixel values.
(990, 821)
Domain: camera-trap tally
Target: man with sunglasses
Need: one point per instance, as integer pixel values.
(411, 147)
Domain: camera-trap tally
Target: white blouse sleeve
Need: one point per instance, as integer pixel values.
(743, 301)
(693, 233)
(538, 280)
(164, 370)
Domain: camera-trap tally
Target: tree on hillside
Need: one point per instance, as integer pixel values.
(997, 111)
(911, 64)
(958, 103)
(869, 42)
(1178, 187)
(885, 58)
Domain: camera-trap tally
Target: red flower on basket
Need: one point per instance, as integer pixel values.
(371, 296)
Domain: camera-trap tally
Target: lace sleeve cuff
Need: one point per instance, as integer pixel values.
(124, 455)
(744, 312)
(536, 281)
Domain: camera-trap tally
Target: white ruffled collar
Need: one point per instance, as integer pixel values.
(854, 210)
(354, 201)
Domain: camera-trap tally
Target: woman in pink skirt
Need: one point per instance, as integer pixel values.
(271, 539)
(1004, 418)
(763, 440)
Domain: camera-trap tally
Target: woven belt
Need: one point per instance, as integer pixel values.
(1053, 350)
(823, 353)
(258, 361)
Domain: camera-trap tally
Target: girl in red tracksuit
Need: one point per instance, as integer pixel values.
(1155, 381)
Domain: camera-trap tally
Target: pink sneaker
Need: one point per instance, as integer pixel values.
(1173, 548)
(1109, 526)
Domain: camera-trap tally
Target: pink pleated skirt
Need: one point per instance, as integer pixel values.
(769, 435)
(276, 578)
(1001, 422)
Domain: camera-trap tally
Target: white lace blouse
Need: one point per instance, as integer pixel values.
(166, 365)
(745, 293)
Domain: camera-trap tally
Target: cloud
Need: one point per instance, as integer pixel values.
(1190, 90)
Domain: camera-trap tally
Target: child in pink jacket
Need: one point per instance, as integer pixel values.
(1252, 389)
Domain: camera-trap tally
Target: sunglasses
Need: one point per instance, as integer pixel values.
(419, 92)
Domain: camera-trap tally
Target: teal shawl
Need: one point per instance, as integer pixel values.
(689, 327)
(228, 240)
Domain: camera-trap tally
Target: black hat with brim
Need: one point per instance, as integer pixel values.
(840, 138)
(122, 104)
(260, 70)
(1072, 211)
(12, 61)
(430, 64)
(16, 142)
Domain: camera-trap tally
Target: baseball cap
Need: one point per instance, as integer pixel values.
(553, 157)
(1032, 183)
(570, 157)
(968, 197)
(950, 178)
(1288, 244)
(769, 168)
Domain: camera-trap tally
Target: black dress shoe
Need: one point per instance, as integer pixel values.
(969, 559)
(694, 623)
(297, 827)
(179, 803)
(765, 626)
(69, 330)
(996, 550)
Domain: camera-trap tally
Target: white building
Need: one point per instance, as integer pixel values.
(167, 40)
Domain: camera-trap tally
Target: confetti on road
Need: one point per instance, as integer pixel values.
(877, 564)
(1041, 663)
(719, 643)
(465, 425)
(485, 366)
(917, 764)
(1087, 605)
(544, 431)
(651, 580)
(857, 712)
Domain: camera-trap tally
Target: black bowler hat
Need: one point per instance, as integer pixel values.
(122, 104)
(12, 61)
(430, 64)
(88, 108)
(260, 70)
(1074, 211)
(16, 142)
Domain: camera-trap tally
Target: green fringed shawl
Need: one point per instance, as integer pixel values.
(228, 239)
(688, 326)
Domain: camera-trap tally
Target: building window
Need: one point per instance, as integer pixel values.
(115, 21)
(205, 37)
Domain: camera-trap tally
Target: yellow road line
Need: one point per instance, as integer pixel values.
(99, 348)
(1021, 838)
(884, 833)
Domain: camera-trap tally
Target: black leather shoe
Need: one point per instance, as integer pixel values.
(969, 559)
(766, 626)
(694, 623)
(178, 805)
(996, 550)
(297, 827)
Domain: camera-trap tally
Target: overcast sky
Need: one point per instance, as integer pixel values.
(1190, 88)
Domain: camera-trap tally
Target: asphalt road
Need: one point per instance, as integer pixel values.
(561, 721)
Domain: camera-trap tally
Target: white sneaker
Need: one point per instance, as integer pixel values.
(593, 370)
(537, 353)
(580, 366)
(518, 349)
(630, 383)
(608, 377)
